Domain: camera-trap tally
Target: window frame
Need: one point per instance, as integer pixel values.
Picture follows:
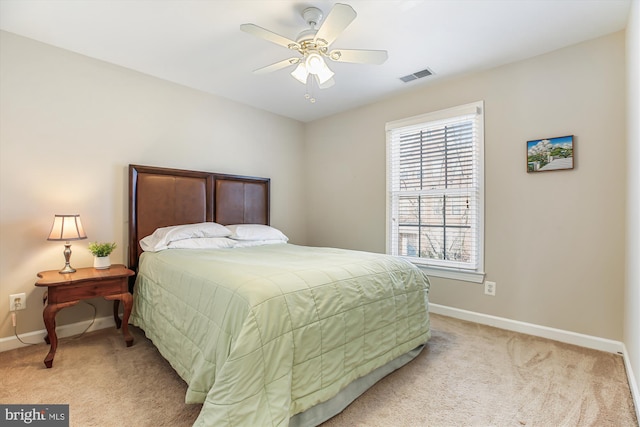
(435, 267)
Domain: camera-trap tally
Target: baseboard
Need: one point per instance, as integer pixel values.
(568, 337)
(633, 385)
(37, 337)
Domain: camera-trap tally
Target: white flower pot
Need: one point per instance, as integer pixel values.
(101, 262)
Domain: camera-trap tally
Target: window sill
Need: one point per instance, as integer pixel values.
(466, 276)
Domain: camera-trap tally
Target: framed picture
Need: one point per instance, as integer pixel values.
(550, 154)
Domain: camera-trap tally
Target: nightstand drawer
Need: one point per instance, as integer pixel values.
(75, 292)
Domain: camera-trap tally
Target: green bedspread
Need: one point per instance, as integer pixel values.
(262, 333)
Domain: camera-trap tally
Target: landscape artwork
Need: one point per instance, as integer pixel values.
(550, 154)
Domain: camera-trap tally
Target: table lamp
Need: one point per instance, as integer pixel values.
(67, 228)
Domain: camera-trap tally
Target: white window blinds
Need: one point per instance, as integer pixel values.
(435, 188)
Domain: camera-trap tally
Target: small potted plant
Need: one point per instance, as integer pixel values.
(101, 252)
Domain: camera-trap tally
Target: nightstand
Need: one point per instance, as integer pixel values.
(65, 290)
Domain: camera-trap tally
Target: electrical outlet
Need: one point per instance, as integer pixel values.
(490, 288)
(17, 302)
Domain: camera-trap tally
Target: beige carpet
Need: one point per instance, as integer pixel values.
(469, 375)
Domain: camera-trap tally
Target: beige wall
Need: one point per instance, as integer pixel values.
(70, 125)
(632, 293)
(555, 242)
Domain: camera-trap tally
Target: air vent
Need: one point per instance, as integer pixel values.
(417, 75)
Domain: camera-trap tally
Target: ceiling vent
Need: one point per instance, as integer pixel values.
(417, 75)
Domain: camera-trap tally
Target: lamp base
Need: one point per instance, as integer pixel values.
(67, 269)
(67, 256)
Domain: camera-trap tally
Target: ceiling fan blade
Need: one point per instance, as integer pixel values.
(277, 66)
(334, 24)
(269, 36)
(359, 56)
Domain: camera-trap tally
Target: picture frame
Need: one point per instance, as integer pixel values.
(550, 154)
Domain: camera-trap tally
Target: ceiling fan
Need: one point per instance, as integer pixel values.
(313, 45)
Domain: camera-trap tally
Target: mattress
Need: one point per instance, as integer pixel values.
(262, 333)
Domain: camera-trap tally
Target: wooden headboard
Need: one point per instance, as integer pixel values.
(160, 197)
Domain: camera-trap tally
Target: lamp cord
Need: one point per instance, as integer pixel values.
(15, 326)
(95, 312)
(15, 330)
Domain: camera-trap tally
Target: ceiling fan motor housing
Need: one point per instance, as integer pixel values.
(312, 16)
(306, 38)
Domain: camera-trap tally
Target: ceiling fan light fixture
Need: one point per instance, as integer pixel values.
(325, 84)
(300, 73)
(315, 63)
(324, 75)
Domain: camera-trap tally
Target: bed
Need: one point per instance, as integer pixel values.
(263, 331)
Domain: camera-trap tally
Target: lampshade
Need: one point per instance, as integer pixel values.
(324, 74)
(67, 227)
(300, 73)
(314, 63)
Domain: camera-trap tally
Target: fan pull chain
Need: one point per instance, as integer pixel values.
(309, 94)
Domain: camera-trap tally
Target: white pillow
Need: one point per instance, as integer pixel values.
(249, 243)
(161, 238)
(203, 243)
(256, 232)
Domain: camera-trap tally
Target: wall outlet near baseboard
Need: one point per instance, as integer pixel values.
(490, 288)
(17, 302)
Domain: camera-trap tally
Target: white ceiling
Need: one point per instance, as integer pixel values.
(198, 43)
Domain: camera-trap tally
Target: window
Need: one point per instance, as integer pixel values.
(435, 191)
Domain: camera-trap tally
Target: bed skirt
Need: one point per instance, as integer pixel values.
(322, 412)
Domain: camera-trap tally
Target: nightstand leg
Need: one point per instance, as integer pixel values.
(49, 316)
(127, 301)
(116, 315)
